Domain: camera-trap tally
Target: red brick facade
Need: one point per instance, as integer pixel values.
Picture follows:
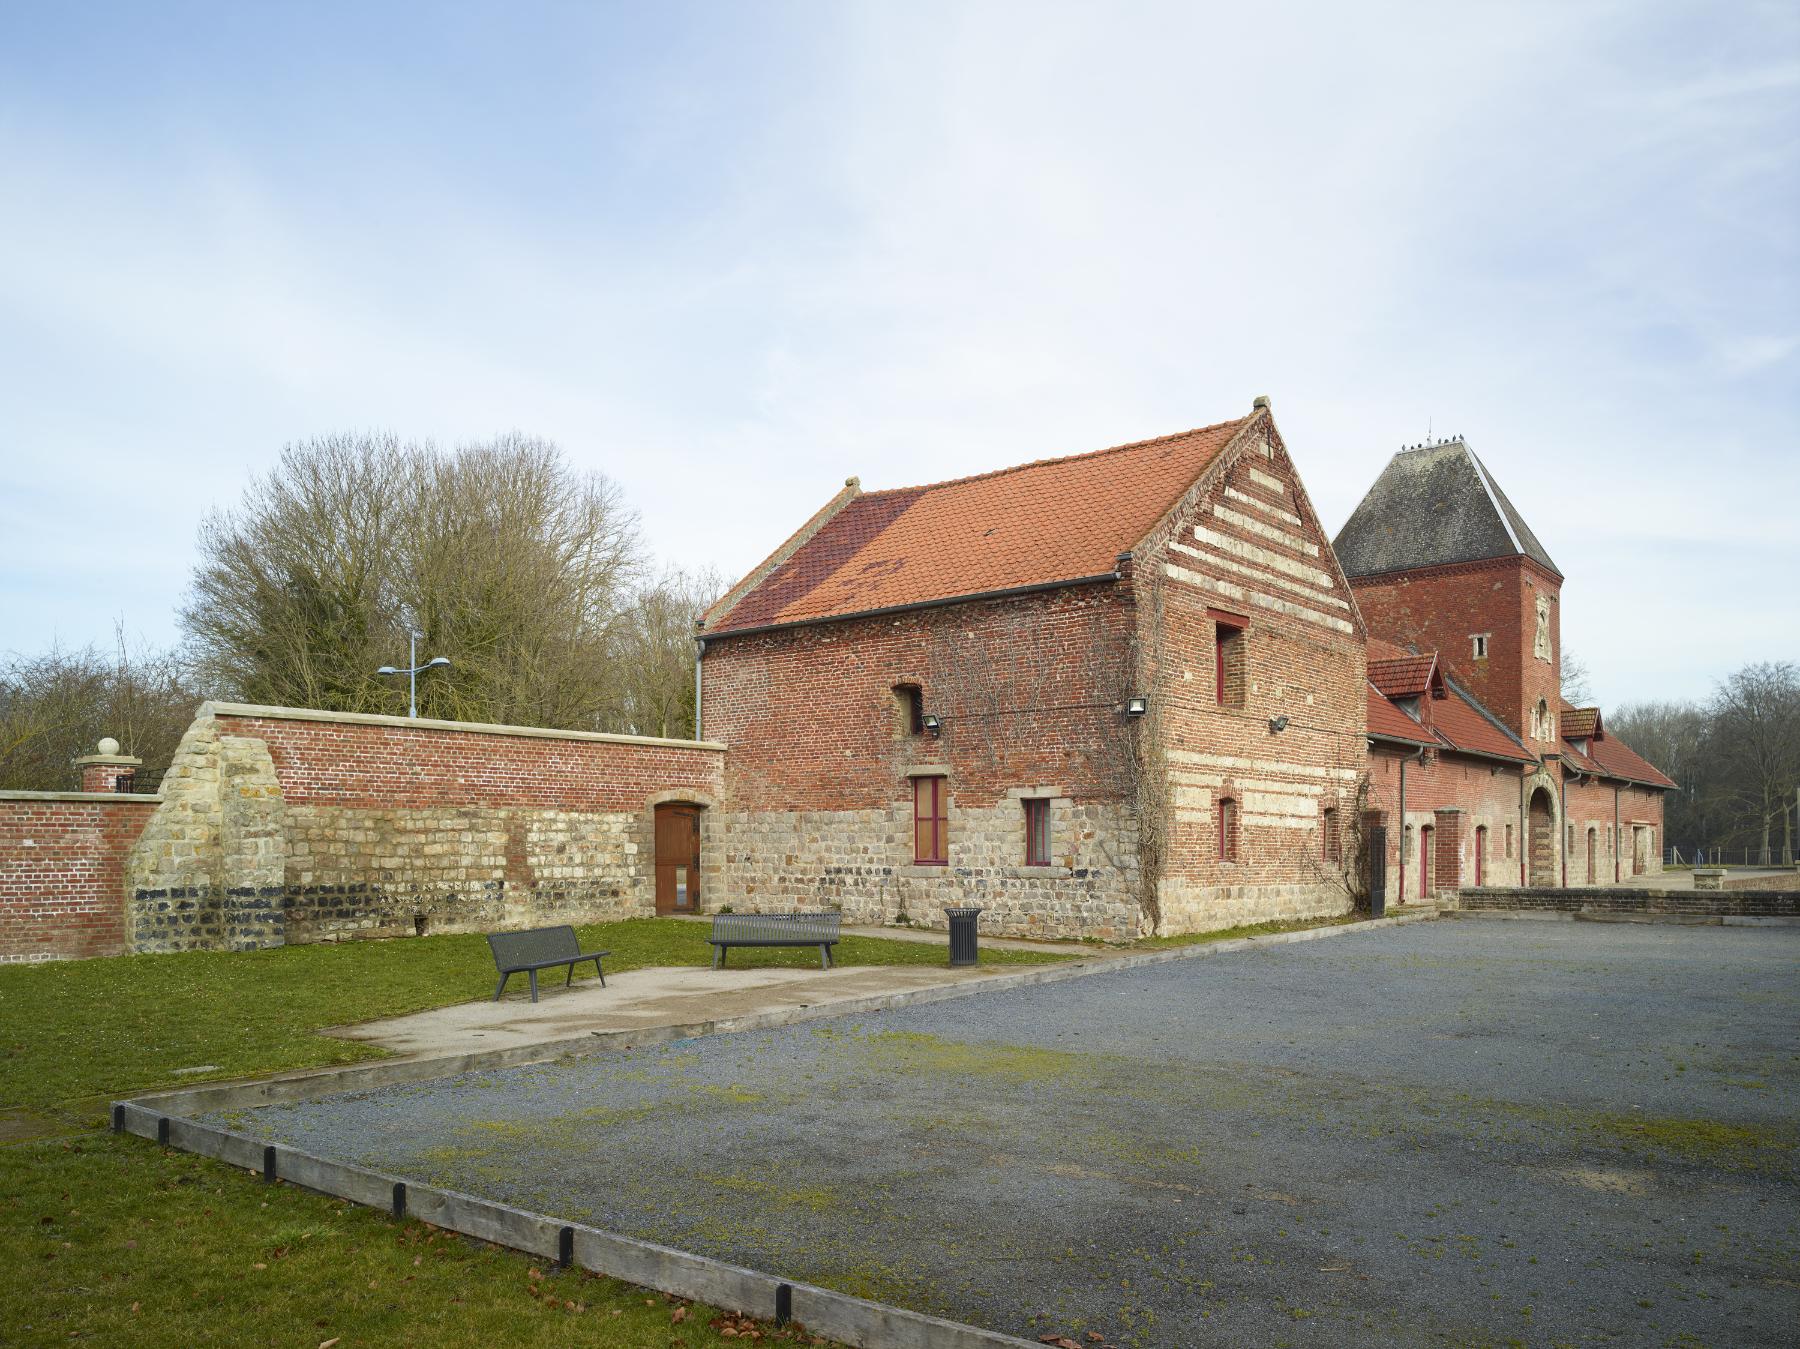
(62, 886)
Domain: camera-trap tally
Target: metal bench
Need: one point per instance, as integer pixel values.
(539, 948)
(775, 929)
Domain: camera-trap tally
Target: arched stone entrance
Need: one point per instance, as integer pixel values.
(1541, 845)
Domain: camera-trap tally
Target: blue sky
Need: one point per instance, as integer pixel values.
(731, 253)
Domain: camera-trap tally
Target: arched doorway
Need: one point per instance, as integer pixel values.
(678, 858)
(1541, 844)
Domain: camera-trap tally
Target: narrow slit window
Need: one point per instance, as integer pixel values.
(909, 700)
(1332, 847)
(1037, 832)
(1228, 829)
(930, 822)
(1228, 664)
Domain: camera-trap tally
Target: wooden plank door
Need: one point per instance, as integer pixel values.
(677, 859)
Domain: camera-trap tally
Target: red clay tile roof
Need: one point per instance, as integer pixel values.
(1621, 761)
(1044, 522)
(1390, 723)
(1403, 677)
(1462, 725)
(1579, 723)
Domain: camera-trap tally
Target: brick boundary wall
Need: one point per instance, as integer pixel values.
(1693, 903)
(62, 872)
(282, 825)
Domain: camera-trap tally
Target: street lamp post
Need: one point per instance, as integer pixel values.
(412, 671)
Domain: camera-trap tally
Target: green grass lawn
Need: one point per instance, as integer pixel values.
(115, 1241)
(76, 1034)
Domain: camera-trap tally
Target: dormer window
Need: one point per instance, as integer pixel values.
(1410, 706)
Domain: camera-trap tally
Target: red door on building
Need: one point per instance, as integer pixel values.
(677, 859)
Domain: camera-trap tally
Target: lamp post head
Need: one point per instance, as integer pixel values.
(387, 669)
(437, 660)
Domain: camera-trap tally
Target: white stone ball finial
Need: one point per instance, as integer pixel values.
(108, 746)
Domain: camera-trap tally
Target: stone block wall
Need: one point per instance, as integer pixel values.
(862, 862)
(280, 825)
(62, 865)
(1623, 901)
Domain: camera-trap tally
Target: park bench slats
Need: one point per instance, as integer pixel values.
(539, 948)
(775, 929)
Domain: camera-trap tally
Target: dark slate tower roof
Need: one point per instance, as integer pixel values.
(1434, 504)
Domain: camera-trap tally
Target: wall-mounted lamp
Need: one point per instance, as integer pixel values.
(930, 722)
(1277, 725)
(1136, 707)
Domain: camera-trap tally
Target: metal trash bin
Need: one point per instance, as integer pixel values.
(962, 936)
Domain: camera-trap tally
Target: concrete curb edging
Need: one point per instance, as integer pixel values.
(849, 1320)
(309, 1084)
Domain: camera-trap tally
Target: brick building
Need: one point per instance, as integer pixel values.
(1128, 692)
(1104, 695)
(1479, 772)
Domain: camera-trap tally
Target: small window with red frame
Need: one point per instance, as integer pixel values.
(1037, 832)
(931, 819)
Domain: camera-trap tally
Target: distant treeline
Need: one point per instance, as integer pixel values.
(1735, 759)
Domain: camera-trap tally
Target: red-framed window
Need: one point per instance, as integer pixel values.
(931, 820)
(1228, 829)
(1037, 832)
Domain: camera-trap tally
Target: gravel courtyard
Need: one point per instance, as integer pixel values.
(1464, 1132)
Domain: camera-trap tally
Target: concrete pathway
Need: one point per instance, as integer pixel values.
(643, 999)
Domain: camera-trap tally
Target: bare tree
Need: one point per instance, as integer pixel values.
(1755, 744)
(652, 688)
(507, 560)
(56, 706)
(1572, 675)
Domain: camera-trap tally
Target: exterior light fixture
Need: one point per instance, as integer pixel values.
(1136, 707)
(412, 671)
(1277, 725)
(930, 722)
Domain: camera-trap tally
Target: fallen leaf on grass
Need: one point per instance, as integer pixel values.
(679, 1314)
(326, 1344)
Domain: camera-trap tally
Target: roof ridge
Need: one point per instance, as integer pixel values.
(1063, 458)
(1486, 715)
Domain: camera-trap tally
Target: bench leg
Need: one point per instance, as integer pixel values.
(824, 957)
(533, 974)
(718, 956)
(599, 971)
(501, 987)
(570, 977)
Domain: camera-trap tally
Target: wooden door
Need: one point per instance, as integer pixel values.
(677, 859)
